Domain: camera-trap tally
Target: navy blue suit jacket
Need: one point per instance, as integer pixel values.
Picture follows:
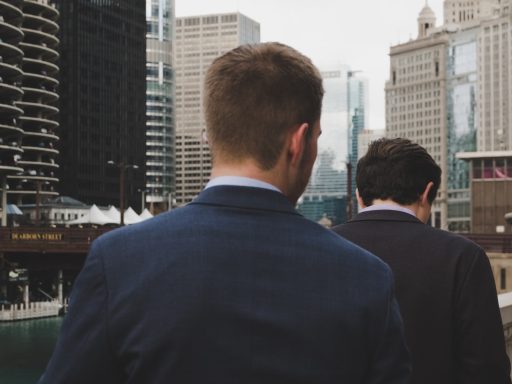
(236, 287)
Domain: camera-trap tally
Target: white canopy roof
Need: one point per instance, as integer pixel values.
(131, 217)
(93, 216)
(145, 214)
(113, 214)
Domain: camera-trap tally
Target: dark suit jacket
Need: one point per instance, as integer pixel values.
(446, 292)
(238, 288)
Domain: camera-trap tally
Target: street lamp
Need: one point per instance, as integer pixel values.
(4, 201)
(122, 169)
(143, 198)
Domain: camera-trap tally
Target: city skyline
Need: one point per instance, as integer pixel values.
(325, 30)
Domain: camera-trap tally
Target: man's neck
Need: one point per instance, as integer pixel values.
(251, 171)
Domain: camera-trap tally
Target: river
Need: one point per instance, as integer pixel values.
(25, 348)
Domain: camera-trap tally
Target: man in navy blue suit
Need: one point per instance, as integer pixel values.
(237, 287)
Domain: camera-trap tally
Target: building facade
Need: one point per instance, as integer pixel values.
(103, 106)
(358, 118)
(416, 99)
(160, 94)
(462, 121)
(327, 188)
(495, 81)
(199, 40)
(491, 190)
(28, 82)
(474, 99)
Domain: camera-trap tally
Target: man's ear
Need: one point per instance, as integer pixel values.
(424, 195)
(360, 200)
(297, 143)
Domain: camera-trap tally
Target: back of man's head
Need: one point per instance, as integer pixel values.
(254, 95)
(396, 169)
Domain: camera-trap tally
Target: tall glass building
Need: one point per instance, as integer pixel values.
(358, 101)
(327, 188)
(103, 100)
(462, 120)
(160, 91)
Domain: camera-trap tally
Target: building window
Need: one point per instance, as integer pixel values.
(503, 279)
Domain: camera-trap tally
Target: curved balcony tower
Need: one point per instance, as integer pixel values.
(11, 134)
(39, 118)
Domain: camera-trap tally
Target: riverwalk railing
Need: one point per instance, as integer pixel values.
(22, 311)
(505, 302)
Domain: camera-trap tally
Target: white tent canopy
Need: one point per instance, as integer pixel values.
(93, 216)
(113, 214)
(146, 214)
(131, 217)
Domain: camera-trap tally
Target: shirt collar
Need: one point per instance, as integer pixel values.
(240, 182)
(387, 207)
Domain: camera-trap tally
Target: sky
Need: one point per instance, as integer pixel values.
(357, 33)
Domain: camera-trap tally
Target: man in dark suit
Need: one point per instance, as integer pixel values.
(237, 287)
(444, 283)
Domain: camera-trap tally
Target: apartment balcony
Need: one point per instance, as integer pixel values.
(40, 8)
(10, 54)
(11, 12)
(41, 52)
(10, 33)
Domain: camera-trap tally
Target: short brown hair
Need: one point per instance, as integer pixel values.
(396, 169)
(254, 94)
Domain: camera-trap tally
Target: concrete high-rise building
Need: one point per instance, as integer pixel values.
(416, 98)
(327, 187)
(103, 100)
(462, 12)
(160, 94)
(28, 70)
(495, 81)
(465, 102)
(199, 40)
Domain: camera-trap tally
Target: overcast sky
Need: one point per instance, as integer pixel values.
(353, 32)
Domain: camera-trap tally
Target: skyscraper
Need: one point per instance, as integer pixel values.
(451, 91)
(358, 112)
(416, 98)
(103, 106)
(199, 40)
(495, 81)
(160, 91)
(327, 188)
(28, 71)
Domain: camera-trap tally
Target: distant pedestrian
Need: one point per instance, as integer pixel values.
(444, 282)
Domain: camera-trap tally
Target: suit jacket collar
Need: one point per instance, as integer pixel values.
(386, 215)
(245, 197)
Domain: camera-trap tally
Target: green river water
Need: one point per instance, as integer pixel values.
(25, 348)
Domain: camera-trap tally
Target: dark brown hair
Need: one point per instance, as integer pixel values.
(254, 95)
(396, 169)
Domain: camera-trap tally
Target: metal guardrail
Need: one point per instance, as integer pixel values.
(48, 240)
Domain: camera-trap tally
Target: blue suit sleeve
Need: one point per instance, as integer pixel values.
(83, 353)
(391, 361)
